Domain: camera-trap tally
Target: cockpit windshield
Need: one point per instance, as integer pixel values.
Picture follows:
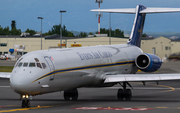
(20, 64)
(32, 64)
(25, 64)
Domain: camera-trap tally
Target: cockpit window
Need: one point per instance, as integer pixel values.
(39, 65)
(32, 65)
(20, 64)
(36, 59)
(44, 65)
(25, 64)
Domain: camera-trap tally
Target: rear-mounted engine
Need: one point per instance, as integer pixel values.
(148, 62)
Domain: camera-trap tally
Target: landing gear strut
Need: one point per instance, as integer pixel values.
(124, 93)
(25, 101)
(71, 94)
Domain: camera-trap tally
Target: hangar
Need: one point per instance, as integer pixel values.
(160, 46)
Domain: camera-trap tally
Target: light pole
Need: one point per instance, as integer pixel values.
(62, 11)
(41, 30)
(109, 28)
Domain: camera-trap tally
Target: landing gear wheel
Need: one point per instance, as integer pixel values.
(74, 94)
(25, 104)
(120, 94)
(71, 94)
(67, 95)
(128, 94)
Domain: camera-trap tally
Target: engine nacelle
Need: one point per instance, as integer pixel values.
(148, 62)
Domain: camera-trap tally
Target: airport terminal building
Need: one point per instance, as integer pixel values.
(161, 46)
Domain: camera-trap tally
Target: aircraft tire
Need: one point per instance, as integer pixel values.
(128, 94)
(74, 94)
(120, 94)
(25, 104)
(67, 95)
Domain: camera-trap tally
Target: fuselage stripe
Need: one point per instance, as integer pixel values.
(84, 67)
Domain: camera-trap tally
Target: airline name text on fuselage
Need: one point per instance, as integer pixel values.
(94, 55)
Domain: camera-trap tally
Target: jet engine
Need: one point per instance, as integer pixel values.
(148, 62)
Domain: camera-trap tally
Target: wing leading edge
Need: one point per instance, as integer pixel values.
(140, 77)
(5, 75)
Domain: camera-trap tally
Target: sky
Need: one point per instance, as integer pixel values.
(79, 18)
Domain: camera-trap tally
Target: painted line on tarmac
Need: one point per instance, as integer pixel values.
(23, 109)
(4, 86)
(169, 87)
(109, 108)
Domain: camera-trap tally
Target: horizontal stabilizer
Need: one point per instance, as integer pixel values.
(130, 10)
(133, 10)
(140, 77)
(160, 10)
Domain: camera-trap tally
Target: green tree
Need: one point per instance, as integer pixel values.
(90, 33)
(15, 31)
(56, 30)
(83, 34)
(32, 32)
(144, 35)
(114, 33)
(13, 24)
(6, 31)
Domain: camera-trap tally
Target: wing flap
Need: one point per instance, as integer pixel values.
(5, 75)
(140, 77)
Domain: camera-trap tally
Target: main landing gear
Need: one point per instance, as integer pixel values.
(71, 94)
(25, 101)
(124, 93)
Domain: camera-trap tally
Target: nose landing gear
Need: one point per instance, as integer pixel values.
(25, 101)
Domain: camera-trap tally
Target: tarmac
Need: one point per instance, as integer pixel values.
(150, 98)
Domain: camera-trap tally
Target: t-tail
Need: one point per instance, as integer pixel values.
(140, 11)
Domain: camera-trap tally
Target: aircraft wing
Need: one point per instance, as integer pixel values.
(140, 77)
(5, 75)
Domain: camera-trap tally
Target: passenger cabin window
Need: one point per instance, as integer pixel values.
(20, 64)
(44, 65)
(25, 64)
(32, 65)
(39, 65)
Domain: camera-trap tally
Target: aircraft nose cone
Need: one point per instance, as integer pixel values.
(18, 83)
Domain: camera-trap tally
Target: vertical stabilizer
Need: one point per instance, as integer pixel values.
(137, 29)
(140, 11)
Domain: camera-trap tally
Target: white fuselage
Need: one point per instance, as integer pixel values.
(71, 68)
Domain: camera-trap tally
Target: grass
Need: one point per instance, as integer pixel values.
(6, 68)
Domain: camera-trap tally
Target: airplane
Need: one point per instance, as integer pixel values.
(68, 69)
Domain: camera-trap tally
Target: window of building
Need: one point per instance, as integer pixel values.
(24, 53)
(154, 50)
(19, 53)
(166, 48)
(3, 44)
(5, 52)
